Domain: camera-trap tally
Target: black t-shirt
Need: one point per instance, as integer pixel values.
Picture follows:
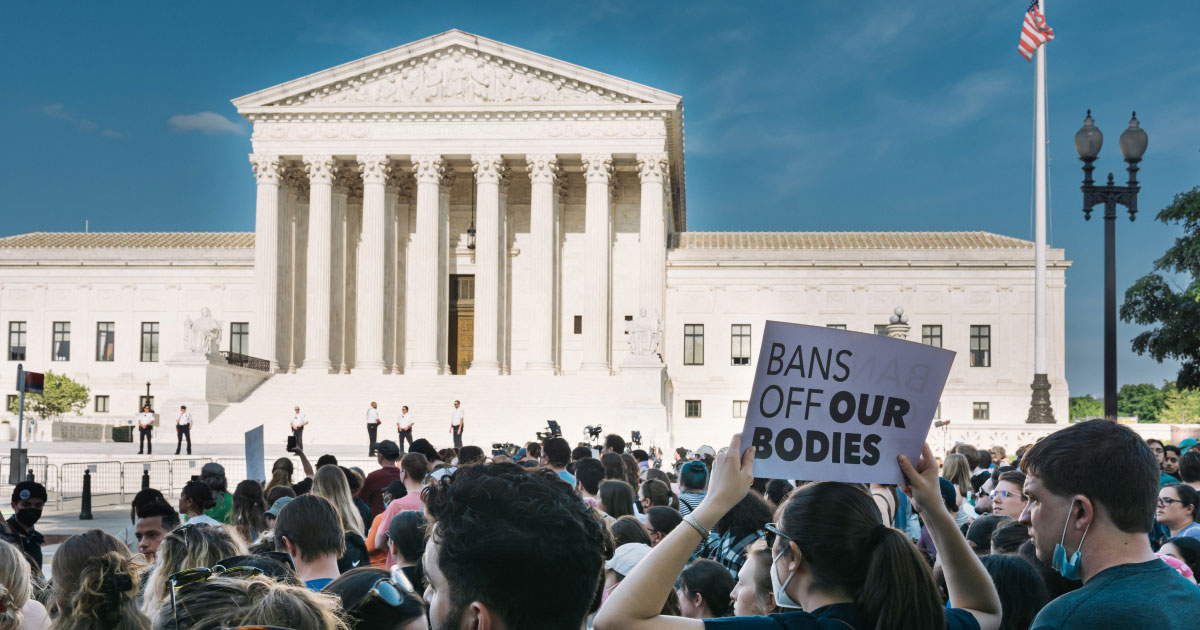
(356, 554)
(832, 617)
(303, 487)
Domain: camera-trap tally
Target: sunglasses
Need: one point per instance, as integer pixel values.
(202, 574)
(1004, 494)
(391, 591)
(774, 532)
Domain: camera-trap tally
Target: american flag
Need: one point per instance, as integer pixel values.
(1034, 31)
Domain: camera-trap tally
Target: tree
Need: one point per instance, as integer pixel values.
(1152, 301)
(1183, 406)
(61, 395)
(1086, 407)
(1144, 401)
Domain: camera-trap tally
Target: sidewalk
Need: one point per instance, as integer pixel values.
(58, 525)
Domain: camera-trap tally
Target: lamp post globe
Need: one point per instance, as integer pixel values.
(1089, 139)
(1133, 141)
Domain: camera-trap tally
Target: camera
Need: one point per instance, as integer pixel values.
(552, 431)
(505, 448)
(636, 438)
(593, 432)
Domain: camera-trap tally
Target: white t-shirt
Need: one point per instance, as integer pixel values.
(145, 420)
(456, 417)
(298, 421)
(372, 415)
(205, 519)
(404, 420)
(185, 419)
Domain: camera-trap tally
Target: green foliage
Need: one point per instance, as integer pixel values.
(1174, 313)
(1183, 406)
(62, 395)
(1144, 401)
(1086, 407)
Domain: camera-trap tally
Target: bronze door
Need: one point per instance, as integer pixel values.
(462, 323)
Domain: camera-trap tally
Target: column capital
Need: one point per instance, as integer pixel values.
(321, 169)
(400, 181)
(429, 169)
(597, 167)
(542, 167)
(652, 166)
(295, 178)
(375, 169)
(345, 179)
(268, 169)
(489, 169)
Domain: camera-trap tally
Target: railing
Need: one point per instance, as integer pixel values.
(108, 480)
(246, 361)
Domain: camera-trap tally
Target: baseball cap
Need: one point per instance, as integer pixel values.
(278, 505)
(397, 489)
(29, 490)
(388, 450)
(626, 557)
(706, 450)
(1186, 444)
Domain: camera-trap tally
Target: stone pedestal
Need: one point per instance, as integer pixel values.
(207, 385)
(1040, 411)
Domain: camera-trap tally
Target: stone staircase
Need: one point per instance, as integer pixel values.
(498, 408)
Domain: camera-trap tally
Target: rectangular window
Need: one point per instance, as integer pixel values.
(739, 408)
(981, 411)
(739, 345)
(101, 404)
(61, 342)
(880, 329)
(239, 338)
(981, 346)
(10, 403)
(145, 400)
(931, 335)
(836, 326)
(106, 333)
(149, 343)
(628, 318)
(691, 408)
(578, 322)
(16, 341)
(937, 413)
(693, 344)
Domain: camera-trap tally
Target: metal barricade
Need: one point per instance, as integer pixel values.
(235, 470)
(160, 476)
(107, 481)
(182, 471)
(37, 463)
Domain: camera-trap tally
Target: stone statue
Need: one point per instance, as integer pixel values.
(644, 334)
(202, 335)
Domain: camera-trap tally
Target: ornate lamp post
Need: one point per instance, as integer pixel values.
(1088, 141)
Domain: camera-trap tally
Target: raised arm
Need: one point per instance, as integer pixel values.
(308, 469)
(638, 600)
(969, 584)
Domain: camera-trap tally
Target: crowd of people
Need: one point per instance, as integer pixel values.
(1090, 527)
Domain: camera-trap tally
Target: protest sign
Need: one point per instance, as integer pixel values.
(255, 464)
(835, 405)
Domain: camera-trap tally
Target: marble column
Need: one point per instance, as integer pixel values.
(268, 170)
(543, 171)
(652, 286)
(338, 290)
(423, 290)
(489, 248)
(597, 313)
(371, 267)
(405, 193)
(286, 267)
(443, 300)
(389, 273)
(321, 170)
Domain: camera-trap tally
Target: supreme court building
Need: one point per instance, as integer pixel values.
(461, 219)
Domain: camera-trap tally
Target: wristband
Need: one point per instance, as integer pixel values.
(696, 526)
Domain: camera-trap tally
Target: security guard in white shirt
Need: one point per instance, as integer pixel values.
(298, 422)
(145, 431)
(183, 428)
(404, 425)
(373, 423)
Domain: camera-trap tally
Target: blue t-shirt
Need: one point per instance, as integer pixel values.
(1139, 595)
(567, 477)
(1191, 531)
(317, 584)
(832, 617)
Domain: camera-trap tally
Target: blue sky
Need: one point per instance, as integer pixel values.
(863, 115)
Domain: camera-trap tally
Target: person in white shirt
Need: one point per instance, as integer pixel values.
(456, 424)
(404, 425)
(145, 430)
(298, 422)
(183, 428)
(373, 423)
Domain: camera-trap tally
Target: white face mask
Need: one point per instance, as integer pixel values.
(782, 599)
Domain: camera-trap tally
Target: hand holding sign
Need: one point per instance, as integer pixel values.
(834, 405)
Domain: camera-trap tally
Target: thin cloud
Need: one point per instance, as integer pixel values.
(209, 123)
(58, 111)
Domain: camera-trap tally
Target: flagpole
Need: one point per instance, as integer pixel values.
(1040, 410)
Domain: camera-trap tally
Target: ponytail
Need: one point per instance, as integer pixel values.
(899, 591)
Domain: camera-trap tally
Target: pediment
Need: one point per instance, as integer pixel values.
(455, 69)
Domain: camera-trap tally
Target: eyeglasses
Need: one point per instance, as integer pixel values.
(773, 531)
(202, 574)
(1004, 494)
(1167, 501)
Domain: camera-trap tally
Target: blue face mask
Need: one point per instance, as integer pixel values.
(1068, 568)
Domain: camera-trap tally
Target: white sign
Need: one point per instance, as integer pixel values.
(835, 405)
(255, 467)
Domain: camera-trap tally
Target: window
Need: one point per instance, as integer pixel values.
(16, 341)
(101, 404)
(149, 343)
(937, 413)
(881, 329)
(11, 402)
(836, 326)
(61, 342)
(628, 318)
(578, 324)
(981, 410)
(693, 345)
(981, 346)
(739, 408)
(239, 338)
(739, 345)
(105, 336)
(691, 408)
(145, 400)
(931, 335)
